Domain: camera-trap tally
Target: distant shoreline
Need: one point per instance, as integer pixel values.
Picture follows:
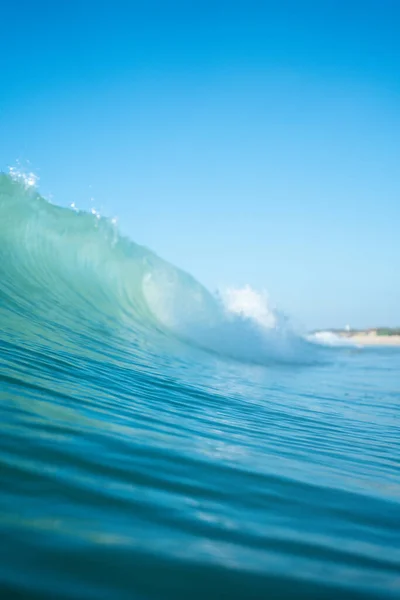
(370, 337)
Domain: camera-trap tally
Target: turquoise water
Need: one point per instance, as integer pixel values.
(156, 445)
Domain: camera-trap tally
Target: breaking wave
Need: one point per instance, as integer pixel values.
(69, 270)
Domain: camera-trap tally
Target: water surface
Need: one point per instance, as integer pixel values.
(153, 447)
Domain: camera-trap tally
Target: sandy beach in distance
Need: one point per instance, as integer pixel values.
(372, 339)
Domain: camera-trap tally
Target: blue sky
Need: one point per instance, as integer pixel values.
(246, 142)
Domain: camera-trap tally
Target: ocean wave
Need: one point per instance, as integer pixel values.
(74, 270)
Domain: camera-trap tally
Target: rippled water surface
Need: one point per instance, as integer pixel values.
(151, 449)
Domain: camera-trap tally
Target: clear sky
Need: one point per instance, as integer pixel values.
(246, 142)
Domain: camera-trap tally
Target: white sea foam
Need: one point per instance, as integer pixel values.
(328, 338)
(251, 304)
(237, 322)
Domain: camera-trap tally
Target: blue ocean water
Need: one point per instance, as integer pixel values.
(157, 443)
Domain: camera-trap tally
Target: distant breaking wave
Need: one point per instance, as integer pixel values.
(328, 338)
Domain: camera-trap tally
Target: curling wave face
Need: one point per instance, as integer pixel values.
(75, 269)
